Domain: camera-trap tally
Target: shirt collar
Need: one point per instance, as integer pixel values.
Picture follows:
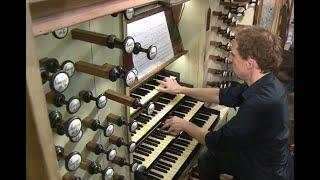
(251, 89)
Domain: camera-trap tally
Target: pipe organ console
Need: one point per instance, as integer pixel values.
(141, 147)
(165, 156)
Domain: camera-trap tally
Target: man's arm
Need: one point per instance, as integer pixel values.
(171, 86)
(202, 94)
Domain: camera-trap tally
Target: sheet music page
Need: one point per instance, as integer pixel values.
(151, 30)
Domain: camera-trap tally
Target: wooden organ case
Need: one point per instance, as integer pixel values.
(87, 141)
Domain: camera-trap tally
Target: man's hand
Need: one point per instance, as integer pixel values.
(174, 125)
(169, 85)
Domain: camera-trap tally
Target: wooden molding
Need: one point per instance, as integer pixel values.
(41, 159)
(71, 16)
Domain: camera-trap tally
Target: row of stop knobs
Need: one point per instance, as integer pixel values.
(60, 78)
(73, 104)
(72, 127)
(73, 161)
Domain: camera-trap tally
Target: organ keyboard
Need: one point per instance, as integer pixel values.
(149, 90)
(166, 156)
(156, 141)
(146, 122)
(178, 153)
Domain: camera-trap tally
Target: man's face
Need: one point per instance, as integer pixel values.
(239, 64)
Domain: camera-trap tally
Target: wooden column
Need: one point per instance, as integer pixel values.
(41, 159)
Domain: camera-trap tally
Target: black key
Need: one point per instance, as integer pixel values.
(152, 140)
(198, 124)
(187, 107)
(138, 157)
(147, 147)
(191, 99)
(204, 111)
(144, 116)
(150, 143)
(212, 111)
(144, 150)
(146, 86)
(135, 96)
(141, 152)
(141, 119)
(180, 109)
(141, 92)
(177, 114)
(167, 159)
(139, 125)
(168, 96)
(159, 105)
(152, 177)
(162, 166)
(169, 156)
(187, 104)
(156, 136)
(140, 162)
(156, 174)
(160, 76)
(173, 152)
(200, 120)
(184, 141)
(185, 136)
(153, 82)
(159, 169)
(158, 108)
(164, 163)
(181, 143)
(159, 133)
(202, 117)
(177, 147)
(163, 101)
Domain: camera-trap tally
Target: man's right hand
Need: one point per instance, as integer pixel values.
(169, 85)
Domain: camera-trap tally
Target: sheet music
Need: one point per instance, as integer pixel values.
(152, 30)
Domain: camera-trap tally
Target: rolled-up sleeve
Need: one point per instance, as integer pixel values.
(231, 96)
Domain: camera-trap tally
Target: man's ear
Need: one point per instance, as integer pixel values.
(252, 63)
